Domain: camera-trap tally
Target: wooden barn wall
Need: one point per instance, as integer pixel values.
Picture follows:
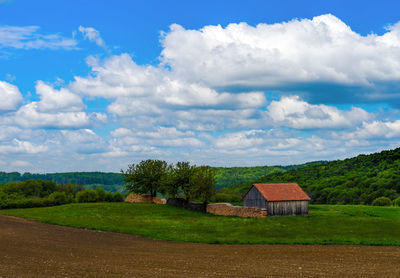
(254, 199)
(287, 208)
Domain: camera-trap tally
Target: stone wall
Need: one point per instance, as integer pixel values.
(160, 201)
(144, 198)
(227, 209)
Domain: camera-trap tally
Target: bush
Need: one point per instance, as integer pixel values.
(86, 196)
(58, 198)
(109, 197)
(227, 197)
(118, 197)
(101, 194)
(396, 202)
(27, 203)
(382, 201)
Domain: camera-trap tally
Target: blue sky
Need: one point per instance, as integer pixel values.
(87, 86)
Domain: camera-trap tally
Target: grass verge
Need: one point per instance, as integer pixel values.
(326, 224)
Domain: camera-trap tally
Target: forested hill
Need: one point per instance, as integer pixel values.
(114, 182)
(357, 180)
(109, 181)
(233, 175)
(82, 178)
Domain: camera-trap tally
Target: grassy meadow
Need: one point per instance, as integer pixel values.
(326, 224)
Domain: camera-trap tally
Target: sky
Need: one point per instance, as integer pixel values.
(97, 85)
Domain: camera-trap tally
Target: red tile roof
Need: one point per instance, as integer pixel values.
(282, 192)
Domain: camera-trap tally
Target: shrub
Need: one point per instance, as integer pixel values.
(382, 201)
(227, 197)
(101, 194)
(86, 196)
(396, 202)
(118, 197)
(58, 198)
(27, 203)
(109, 197)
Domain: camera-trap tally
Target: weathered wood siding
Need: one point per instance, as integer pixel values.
(283, 208)
(254, 199)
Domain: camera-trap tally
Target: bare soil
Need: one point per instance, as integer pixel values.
(33, 249)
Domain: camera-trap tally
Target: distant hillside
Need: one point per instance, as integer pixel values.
(114, 182)
(233, 175)
(109, 181)
(297, 166)
(357, 180)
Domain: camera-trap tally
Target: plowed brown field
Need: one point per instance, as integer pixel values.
(33, 249)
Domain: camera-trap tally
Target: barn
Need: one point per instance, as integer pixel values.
(279, 199)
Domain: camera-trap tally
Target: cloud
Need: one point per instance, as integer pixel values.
(55, 109)
(10, 97)
(53, 100)
(319, 58)
(28, 37)
(20, 163)
(234, 95)
(83, 141)
(378, 130)
(25, 147)
(295, 113)
(30, 116)
(92, 35)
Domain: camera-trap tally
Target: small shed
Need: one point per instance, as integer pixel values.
(279, 199)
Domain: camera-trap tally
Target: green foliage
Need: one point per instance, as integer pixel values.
(227, 197)
(58, 198)
(190, 182)
(82, 178)
(31, 193)
(146, 177)
(117, 197)
(382, 202)
(29, 188)
(396, 202)
(180, 179)
(109, 197)
(226, 176)
(101, 194)
(87, 196)
(358, 180)
(202, 184)
(326, 224)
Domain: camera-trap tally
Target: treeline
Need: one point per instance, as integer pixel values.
(81, 178)
(40, 193)
(190, 182)
(358, 180)
(226, 176)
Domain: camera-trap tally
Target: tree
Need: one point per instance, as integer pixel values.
(178, 179)
(146, 177)
(202, 184)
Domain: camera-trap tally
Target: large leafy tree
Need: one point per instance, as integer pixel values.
(146, 177)
(202, 184)
(178, 180)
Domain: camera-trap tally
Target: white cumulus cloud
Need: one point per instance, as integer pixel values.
(10, 97)
(53, 100)
(289, 56)
(293, 112)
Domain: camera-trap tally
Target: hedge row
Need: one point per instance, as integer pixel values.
(59, 198)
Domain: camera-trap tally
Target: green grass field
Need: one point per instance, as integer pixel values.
(326, 224)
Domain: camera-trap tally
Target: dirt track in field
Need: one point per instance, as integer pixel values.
(33, 249)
